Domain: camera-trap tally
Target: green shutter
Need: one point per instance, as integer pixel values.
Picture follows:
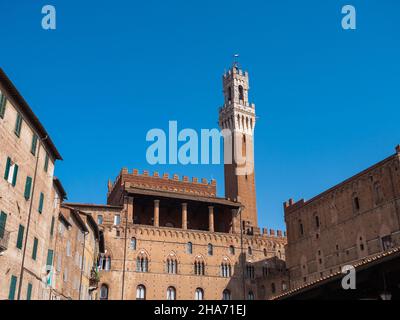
(8, 166)
(52, 226)
(49, 258)
(34, 144)
(29, 291)
(3, 221)
(3, 101)
(13, 286)
(18, 125)
(28, 185)
(20, 238)
(41, 198)
(46, 163)
(14, 180)
(35, 246)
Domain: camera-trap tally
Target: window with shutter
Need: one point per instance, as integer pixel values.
(28, 186)
(29, 291)
(18, 125)
(13, 286)
(3, 101)
(41, 199)
(34, 144)
(49, 262)
(3, 221)
(20, 238)
(34, 250)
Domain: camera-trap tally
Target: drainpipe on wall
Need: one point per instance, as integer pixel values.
(125, 242)
(82, 264)
(21, 276)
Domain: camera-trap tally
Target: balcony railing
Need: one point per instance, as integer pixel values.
(4, 237)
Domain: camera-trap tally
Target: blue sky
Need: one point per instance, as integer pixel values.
(327, 99)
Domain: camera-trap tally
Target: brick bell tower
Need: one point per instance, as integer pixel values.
(237, 118)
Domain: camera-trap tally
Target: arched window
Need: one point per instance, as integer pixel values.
(171, 293)
(241, 94)
(199, 268)
(172, 265)
(232, 250)
(104, 292)
(105, 263)
(210, 249)
(249, 251)
(250, 272)
(243, 145)
(265, 252)
(189, 248)
(229, 94)
(356, 202)
(199, 294)
(317, 223)
(226, 295)
(141, 292)
(226, 270)
(133, 243)
(142, 263)
(250, 295)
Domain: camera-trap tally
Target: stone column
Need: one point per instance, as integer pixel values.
(184, 216)
(211, 218)
(156, 213)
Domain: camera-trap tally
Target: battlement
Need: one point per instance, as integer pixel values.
(164, 182)
(234, 71)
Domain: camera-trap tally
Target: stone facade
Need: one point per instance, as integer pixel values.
(353, 220)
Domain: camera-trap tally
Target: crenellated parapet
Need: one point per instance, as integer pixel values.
(164, 182)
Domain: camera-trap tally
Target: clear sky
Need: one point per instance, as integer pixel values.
(327, 99)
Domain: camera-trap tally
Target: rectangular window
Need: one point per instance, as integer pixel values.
(3, 101)
(13, 286)
(99, 219)
(68, 248)
(29, 291)
(3, 221)
(52, 226)
(18, 125)
(49, 261)
(34, 250)
(20, 238)
(34, 144)
(46, 163)
(387, 242)
(41, 199)
(28, 186)
(11, 172)
(117, 220)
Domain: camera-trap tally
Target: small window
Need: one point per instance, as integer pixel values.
(387, 242)
(117, 220)
(142, 263)
(41, 202)
(226, 295)
(34, 249)
(356, 203)
(199, 294)
(249, 251)
(273, 288)
(46, 163)
(265, 252)
(3, 101)
(18, 125)
(172, 266)
(171, 293)
(21, 230)
(241, 93)
(210, 249)
(301, 228)
(250, 295)
(199, 268)
(104, 292)
(317, 223)
(34, 144)
(133, 243)
(141, 292)
(28, 186)
(232, 250)
(189, 248)
(99, 219)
